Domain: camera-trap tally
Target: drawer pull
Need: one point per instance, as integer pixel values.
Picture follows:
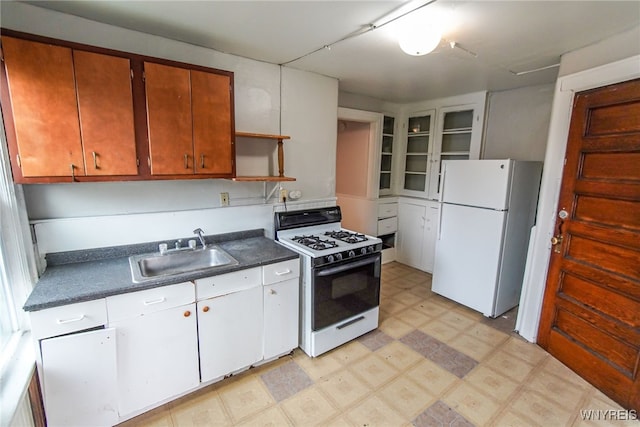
(155, 301)
(73, 319)
(282, 273)
(205, 308)
(187, 313)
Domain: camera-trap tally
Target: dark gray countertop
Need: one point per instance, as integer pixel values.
(79, 276)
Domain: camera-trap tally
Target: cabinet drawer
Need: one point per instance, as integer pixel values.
(274, 273)
(386, 210)
(68, 318)
(227, 283)
(386, 226)
(134, 304)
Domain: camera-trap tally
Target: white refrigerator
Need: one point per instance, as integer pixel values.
(488, 208)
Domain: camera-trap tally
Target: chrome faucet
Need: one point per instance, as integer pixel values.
(200, 234)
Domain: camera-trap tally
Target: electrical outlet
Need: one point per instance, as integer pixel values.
(224, 199)
(283, 195)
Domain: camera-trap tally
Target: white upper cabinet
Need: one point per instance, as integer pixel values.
(418, 153)
(450, 129)
(386, 155)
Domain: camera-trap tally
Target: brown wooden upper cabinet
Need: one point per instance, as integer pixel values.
(74, 112)
(189, 121)
(71, 111)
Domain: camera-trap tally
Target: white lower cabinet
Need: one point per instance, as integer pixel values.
(79, 378)
(157, 357)
(104, 361)
(409, 237)
(417, 232)
(281, 303)
(157, 345)
(230, 332)
(431, 219)
(281, 307)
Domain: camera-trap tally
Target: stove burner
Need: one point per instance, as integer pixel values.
(314, 242)
(347, 236)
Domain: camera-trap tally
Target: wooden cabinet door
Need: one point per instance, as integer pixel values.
(168, 91)
(43, 102)
(211, 109)
(105, 102)
(230, 332)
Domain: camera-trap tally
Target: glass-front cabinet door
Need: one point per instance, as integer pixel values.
(386, 154)
(418, 153)
(455, 141)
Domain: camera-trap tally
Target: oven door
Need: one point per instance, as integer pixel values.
(344, 290)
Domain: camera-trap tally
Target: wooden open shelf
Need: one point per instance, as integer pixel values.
(264, 178)
(280, 177)
(262, 135)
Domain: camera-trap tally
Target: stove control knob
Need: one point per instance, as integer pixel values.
(330, 258)
(370, 249)
(352, 254)
(363, 251)
(338, 257)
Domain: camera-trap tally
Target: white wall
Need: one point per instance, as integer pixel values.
(310, 116)
(367, 103)
(268, 99)
(518, 123)
(623, 45)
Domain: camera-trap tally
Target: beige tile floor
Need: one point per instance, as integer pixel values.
(387, 379)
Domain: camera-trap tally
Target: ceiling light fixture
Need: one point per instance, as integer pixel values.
(393, 16)
(420, 39)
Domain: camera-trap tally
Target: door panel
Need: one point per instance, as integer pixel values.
(45, 112)
(482, 183)
(409, 238)
(79, 379)
(230, 331)
(590, 315)
(169, 119)
(157, 357)
(468, 253)
(106, 113)
(212, 139)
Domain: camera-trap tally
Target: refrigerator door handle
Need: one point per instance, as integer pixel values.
(439, 222)
(442, 176)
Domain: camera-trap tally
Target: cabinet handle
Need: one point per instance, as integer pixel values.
(73, 172)
(155, 301)
(201, 161)
(282, 273)
(205, 308)
(187, 313)
(95, 160)
(74, 319)
(272, 291)
(186, 161)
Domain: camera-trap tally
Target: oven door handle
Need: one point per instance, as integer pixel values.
(348, 266)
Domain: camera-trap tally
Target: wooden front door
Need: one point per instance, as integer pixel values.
(591, 310)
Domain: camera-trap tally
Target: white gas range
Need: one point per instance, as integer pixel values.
(340, 277)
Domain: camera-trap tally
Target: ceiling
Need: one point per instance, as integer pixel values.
(494, 40)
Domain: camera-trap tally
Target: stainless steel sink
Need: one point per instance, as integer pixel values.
(153, 266)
